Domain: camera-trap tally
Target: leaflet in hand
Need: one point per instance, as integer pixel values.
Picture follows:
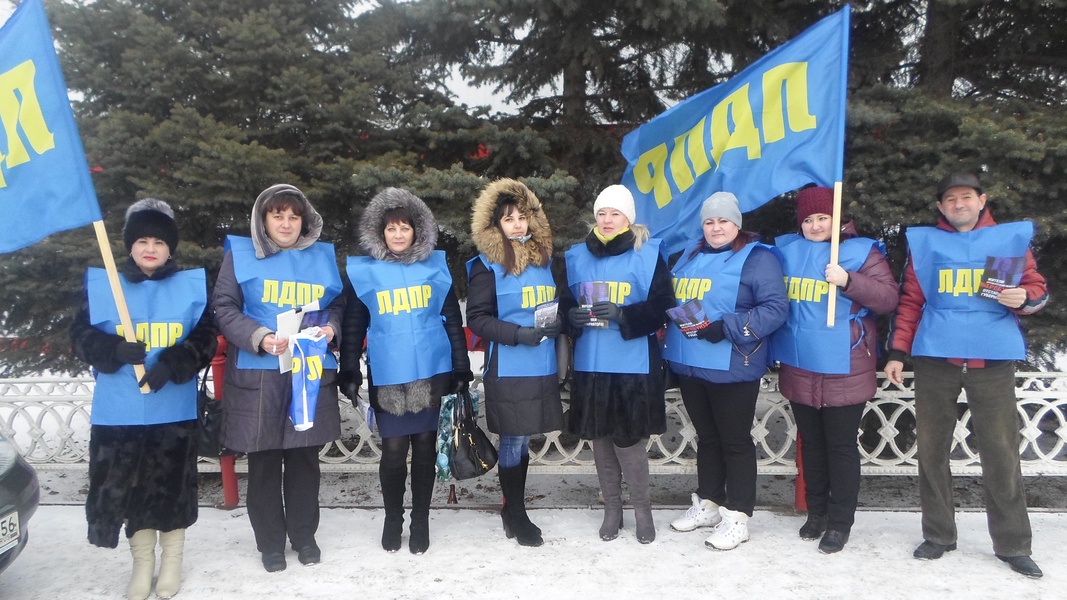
(546, 313)
(290, 323)
(1001, 272)
(689, 317)
(591, 292)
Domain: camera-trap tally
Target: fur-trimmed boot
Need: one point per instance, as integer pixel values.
(609, 473)
(143, 549)
(634, 463)
(393, 484)
(513, 514)
(170, 563)
(422, 480)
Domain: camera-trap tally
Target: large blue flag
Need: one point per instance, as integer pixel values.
(776, 126)
(44, 179)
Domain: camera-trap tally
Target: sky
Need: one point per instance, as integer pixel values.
(469, 557)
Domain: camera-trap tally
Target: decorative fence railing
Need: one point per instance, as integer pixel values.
(48, 421)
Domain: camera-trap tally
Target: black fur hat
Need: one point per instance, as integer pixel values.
(150, 217)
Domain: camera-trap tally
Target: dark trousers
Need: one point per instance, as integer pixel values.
(283, 497)
(831, 461)
(722, 415)
(995, 420)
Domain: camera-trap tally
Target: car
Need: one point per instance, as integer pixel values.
(19, 495)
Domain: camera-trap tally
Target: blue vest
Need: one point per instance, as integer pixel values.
(516, 299)
(283, 281)
(406, 340)
(956, 322)
(163, 313)
(805, 341)
(714, 279)
(629, 275)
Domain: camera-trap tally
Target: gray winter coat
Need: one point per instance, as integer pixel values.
(256, 401)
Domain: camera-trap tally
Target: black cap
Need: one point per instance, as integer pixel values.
(150, 218)
(961, 179)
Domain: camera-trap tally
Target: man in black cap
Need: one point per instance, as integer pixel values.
(960, 340)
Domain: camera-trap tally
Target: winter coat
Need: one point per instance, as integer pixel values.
(143, 475)
(761, 308)
(256, 401)
(623, 405)
(424, 393)
(872, 287)
(513, 405)
(912, 299)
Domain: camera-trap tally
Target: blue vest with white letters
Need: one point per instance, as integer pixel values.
(163, 312)
(406, 339)
(805, 341)
(283, 281)
(956, 322)
(629, 275)
(714, 279)
(517, 296)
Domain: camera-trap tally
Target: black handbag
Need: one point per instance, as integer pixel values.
(209, 422)
(472, 452)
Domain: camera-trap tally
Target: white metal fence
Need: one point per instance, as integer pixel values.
(48, 421)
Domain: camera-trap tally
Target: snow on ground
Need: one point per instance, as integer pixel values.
(469, 557)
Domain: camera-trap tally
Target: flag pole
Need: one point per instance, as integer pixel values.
(835, 241)
(116, 291)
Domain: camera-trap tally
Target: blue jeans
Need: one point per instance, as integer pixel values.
(512, 450)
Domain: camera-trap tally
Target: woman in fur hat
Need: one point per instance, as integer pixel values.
(142, 447)
(402, 303)
(281, 267)
(622, 284)
(508, 281)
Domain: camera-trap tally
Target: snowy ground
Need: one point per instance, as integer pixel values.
(470, 558)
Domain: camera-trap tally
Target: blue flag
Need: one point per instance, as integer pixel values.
(776, 126)
(44, 179)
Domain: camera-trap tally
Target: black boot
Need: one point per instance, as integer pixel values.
(513, 514)
(813, 527)
(525, 469)
(393, 484)
(422, 480)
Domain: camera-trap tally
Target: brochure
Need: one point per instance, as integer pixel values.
(591, 292)
(290, 323)
(1001, 272)
(689, 317)
(546, 313)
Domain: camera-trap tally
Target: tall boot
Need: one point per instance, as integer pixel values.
(170, 563)
(525, 468)
(634, 463)
(393, 483)
(516, 523)
(143, 549)
(609, 473)
(422, 480)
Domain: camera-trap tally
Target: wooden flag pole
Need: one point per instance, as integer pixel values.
(835, 241)
(116, 291)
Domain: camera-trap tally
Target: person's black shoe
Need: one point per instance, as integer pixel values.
(274, 561)
(813, 527)
(833, 541)
(932, 550)
(309, 555)
(1022, 564)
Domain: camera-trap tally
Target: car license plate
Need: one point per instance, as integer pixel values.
(9, 531)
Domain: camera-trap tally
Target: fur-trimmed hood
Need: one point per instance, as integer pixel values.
(490, 240)
(312, 220)
(372, 227)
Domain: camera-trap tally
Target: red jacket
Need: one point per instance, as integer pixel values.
(873, 287)
(912, 299)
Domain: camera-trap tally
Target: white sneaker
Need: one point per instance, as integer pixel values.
(731, 532)
(703, 513)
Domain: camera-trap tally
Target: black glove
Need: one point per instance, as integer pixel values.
(156, 377)
(348, 382)
(529, 336)
(461, 381)
(712, 332)
(578, 317)
(607, 310)
(553, 329)
(130, 353)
